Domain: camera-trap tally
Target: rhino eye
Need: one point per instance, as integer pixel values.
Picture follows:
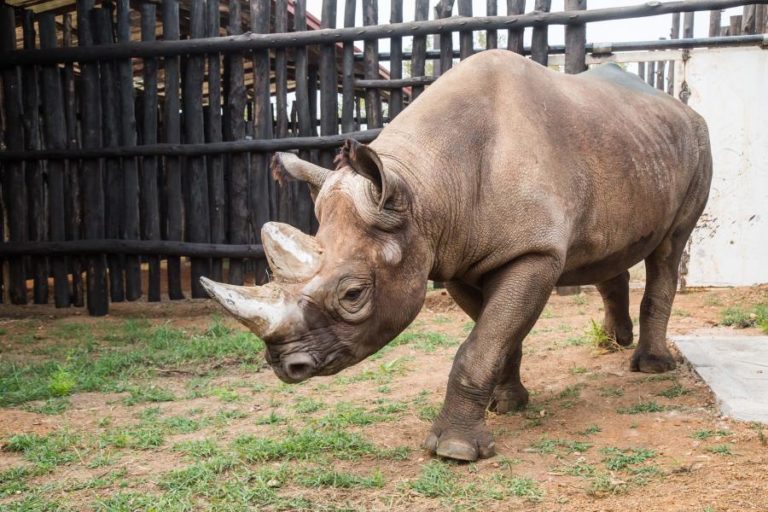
(353, 294)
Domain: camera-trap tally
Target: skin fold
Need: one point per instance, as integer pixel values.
(504, 179)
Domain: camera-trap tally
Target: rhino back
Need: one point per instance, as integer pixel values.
(507, 157)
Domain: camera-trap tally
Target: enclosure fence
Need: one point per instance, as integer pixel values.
(138, 134)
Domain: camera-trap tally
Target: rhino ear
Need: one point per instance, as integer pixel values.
(366, 162)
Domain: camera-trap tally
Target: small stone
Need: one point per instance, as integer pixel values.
(273, 483)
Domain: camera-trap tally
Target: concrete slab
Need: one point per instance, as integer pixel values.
(735, 368)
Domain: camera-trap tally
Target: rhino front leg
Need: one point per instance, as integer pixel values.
(617, 323)
(514, 296)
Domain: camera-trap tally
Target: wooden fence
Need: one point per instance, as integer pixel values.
(137, 134)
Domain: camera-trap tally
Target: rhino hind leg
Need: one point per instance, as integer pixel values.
(617, 323)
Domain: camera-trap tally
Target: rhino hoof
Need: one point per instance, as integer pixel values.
(465, 447)
(652, 363)
(506, 400)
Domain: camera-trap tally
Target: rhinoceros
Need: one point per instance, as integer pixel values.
(504, 179)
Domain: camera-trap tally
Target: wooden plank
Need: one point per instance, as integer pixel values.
(286, 200)
(130, 170)
(234, 131)
(55, 134)
(395, 83)
(37, 206)
(575, 40)
(540, 37)
(13, 176)
(674, 33)
(466, 42)
(748, 19)
(198, 229)
(660, 66)
(150, 206)
(348, 73)
(172, 126)
(715, 21)
(641, 70)
(260, 182)
(328, 80)
(735, 27)
(142, 247)
(72, 169)
(396, 61)
(419, 62)
(93, 189)
(491, 36)
(515, 38)
(443, 10)
(371, 60)
(103, 34)
(650, 77)
(217, 186)
(688, 25)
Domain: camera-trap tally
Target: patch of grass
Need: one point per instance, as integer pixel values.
(61, 383)
(271, 419)
(383, 374)
(706, 434)
(675, 391)
(612, 392)
(580, 468)
(45, 451)
(577, 341)
(592, 429)
(720, 449)
(642, 408)
(331, 478)
(617, 459)
(198, 449)
(428, 412)
(580, 299)
(435, 481)
(346, 414)
(578, 370)
(599, 339)
(741, 318)
(550, 446)
(307, 405)
(680, 312)
(603, 484)
(151, 393)
(570, 392)
(52, 406)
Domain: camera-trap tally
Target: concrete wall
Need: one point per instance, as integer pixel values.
(729, 87)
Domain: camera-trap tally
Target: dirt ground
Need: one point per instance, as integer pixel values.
(596, 437)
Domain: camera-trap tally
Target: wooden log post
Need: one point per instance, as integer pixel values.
(129, 166)
(216, 181)
(348, 73)
(748, 19)
(198, 228)
(688, 25)
(674, 33)
(715, 21)
(660, 67)
(650, 77)
(540, 37)
(515, 36)
(419, 51)
(491, 36)
(575, 40)
(110, 110)
(641, 70)
(38, 216)
(396, 61)
(55, 134)
(286, 194)
(93, 181)
(735, 27)
(72, 190)
(13, 175)
(371, 59)
(443, 10)
(466, 43)
(235, 130)
(174, 202)
(305, 211)
(260, 182)
(150, 206)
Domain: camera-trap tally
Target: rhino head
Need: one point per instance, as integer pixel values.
(341, 295)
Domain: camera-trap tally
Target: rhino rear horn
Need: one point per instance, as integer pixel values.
(292, 255)
(289, 165)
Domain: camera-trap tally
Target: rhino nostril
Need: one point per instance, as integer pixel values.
(298, 366)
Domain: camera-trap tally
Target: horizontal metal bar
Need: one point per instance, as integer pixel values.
(212, 148)
(250, 41)
(395, 83)
(140, 247)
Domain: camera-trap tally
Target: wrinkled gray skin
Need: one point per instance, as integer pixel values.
(534, 180)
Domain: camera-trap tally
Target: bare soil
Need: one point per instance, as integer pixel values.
(577, 394)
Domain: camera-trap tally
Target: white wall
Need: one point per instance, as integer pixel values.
(729, 87)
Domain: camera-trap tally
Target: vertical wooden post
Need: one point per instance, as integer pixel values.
(131, 226)
(515, 40)
(262, 117)
(38, 219)
(110, 136)
(491, 36)
(688, 25)
(197, 208)
(348, 73)
(466, 44)
(651, 74)
(14, 186)
(286, 200)
(641, 70)
(305, 211)
(174, 203)
(748, 20)
(443, 9)
(216, 182)
(539, 40)
(575, 40)
(674, 33)
(660, 66)
(371, 57)
(419, 56)
(93, 182)
(735, 28)
(72, 169)
(715, 20)
(150, 207)
(396, 61)
(55, 134)
(235, 130)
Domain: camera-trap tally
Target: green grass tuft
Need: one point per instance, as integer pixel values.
(642, 408)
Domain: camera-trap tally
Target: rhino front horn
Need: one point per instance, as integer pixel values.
(263, 309)
(293, 256)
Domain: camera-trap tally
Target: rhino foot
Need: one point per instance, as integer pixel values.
(460, 445)
(508, 399)
(622, 333)
(652, 363)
